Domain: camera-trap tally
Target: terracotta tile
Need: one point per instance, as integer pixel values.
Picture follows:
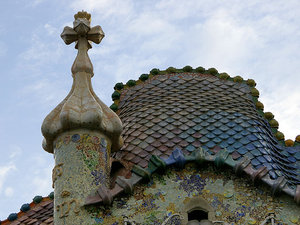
(32, 221)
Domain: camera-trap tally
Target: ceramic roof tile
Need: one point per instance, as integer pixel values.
(40, 213)
(194, 110)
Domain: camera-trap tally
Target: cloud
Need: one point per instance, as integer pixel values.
(106, 8)
(15, 151)
(41, 182)
(9, 192)
(4, 171)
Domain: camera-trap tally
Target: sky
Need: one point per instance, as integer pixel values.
(254, 39)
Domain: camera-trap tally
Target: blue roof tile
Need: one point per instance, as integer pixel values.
(223, 144)
(204, 139)
(242, 151)
(217, 140)
(230, 140)
(250, 147)
(245, 132)
(190, 148)
(292, 159)
(257, 144)
(255, 152)
(210, 144)
(230, 149)
(224, 120)
(204, 131)
(252, 137)
(272, 174)
(297, 155)
(245, 141)
(217, 132)
(255, 162)
(237, 145)
(261, 159)
(224, 128)
(238, 128)
(224, 136)
(237, 136)
(217, 117)
(231, 124)
(218, 124)
(231, 132)
(224, 113)
(210, 135)
(210, 128)
(268, 158)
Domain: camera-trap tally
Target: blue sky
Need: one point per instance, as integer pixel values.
(253, 39)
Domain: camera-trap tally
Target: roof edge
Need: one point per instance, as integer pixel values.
(26, 207)
(179, 160)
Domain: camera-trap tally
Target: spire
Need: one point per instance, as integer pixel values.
(82, 108)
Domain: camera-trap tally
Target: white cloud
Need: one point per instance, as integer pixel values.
(9, 192)
(50, 29)
(15, 151)
(106, 8)
(4, 171)
(41, 181)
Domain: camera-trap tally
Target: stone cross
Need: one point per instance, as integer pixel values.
(82, 34)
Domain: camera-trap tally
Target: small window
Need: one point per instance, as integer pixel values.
(197, 215)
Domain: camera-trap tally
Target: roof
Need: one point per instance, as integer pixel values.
(206, 117)
(191, 110)
(39, 211)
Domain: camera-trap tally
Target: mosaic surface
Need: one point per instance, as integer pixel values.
(189, 111)
(234, 200)
(81, 166)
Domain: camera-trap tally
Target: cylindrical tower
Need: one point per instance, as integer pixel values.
(81, 132)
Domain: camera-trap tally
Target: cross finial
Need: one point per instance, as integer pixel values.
(82, 34)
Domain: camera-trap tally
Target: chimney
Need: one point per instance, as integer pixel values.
(81, 132)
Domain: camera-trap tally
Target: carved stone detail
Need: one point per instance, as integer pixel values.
(82, 108)
(56, 172)
(65, 207)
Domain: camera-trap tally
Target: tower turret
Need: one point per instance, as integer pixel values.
(81, 132)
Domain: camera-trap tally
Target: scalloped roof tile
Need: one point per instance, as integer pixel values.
(171, 108)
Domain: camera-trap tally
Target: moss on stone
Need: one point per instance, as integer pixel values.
(298, 138)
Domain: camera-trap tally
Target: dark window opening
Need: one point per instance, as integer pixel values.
(197, 215)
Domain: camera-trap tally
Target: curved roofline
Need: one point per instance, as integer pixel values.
(120, 88)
